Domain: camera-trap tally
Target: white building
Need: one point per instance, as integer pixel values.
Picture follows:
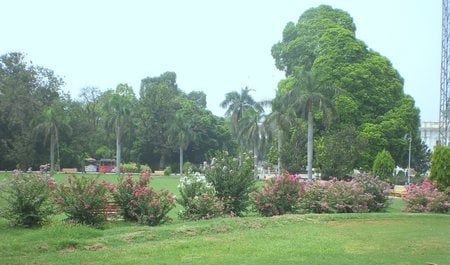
(429, 132)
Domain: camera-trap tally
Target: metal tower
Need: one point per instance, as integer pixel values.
(444, 107)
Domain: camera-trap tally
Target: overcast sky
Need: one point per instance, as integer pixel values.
(213, 46)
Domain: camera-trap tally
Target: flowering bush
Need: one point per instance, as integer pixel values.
(376, 188)
(152, 206)
(425, 198)
(198, 197)
(233, 179)
(124, 195)
(27, 197)
(83, 199)
(141, 203)
(312, 199)
(279, 196)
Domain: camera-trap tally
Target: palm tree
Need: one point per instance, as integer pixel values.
(50, 123)
(306, 98)
(119, 109)
(182, 129)
(236, 105)
(252, 129)
(279, 120)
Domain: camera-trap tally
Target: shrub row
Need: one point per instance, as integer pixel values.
(288, 194)
(30, 199)
(425, 198)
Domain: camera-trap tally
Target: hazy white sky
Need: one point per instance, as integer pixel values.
(213, 46)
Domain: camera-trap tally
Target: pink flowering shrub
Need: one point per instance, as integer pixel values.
(279, 196)
(364, 193)
(124, 194)
(27, 198)
(152, 206)
(141, 203)
(83, 199)
(425, 198)
(198, 198)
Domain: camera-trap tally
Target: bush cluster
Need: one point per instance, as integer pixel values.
(198, 198)
(83, 200)
(134, 168)
(280, 196)
(141, 203)
(425, 198)
(288, 194)
(27, 198)
(233, 180)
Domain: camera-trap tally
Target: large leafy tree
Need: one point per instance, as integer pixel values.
(323, 41)
(25, 90)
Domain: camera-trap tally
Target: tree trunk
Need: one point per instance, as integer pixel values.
(162, 161)
(181, 160)
(118, 150)
(52, 152)
(280, 138)
(255, 157)
(310, 144)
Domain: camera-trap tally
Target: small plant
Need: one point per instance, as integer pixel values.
(233, 180)
(198, 197)
(167, 171)
(425, 198)
(279, 196)
(83, 199)
(145, 168)
(27, 197)
(129, 168)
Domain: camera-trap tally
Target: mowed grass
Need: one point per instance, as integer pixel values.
(381, 238)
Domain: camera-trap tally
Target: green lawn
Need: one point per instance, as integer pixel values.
(381, 238)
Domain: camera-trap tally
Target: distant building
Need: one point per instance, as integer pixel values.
(429, 132)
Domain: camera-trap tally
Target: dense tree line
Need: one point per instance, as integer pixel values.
(40, 124)
(339, 105)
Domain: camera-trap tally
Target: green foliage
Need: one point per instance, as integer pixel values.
(440, 167)
(83, 199)
(198, 198)
(279, 196)
(145, 168)
(167, 171)
(383, 166)
(425, 198)
(233, 180)
(27, 197)
(129, 168)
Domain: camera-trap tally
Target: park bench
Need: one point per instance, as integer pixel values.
(398, 191)
(69, 170)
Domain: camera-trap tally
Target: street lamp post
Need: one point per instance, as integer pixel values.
(409, 158)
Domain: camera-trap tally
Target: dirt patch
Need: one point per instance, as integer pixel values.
(96, 246)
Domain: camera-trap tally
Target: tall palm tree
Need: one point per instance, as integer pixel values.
(253, 132)
(279, 120)
(183, 130)
(50, 123)
(118, 108)
(306, 99)
(236, 104)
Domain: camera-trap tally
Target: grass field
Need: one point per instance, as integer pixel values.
(381, 238)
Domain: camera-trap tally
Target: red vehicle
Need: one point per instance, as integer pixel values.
(106, 165)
